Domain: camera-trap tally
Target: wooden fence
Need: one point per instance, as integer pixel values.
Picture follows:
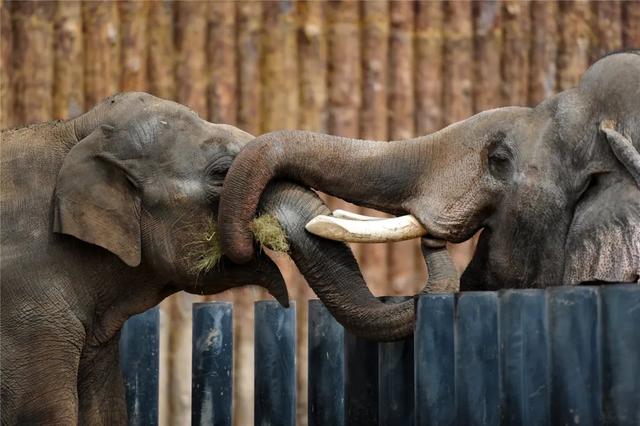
(567, 355)
(374, 69)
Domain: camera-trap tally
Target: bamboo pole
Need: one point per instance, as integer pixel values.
(133, 36)
(68, 87)
(249, 24)
(429, 66)
(404, 255)
(33, 60)
(544, 50)
(344, 79)
(515, 66)
(374, 121)
(190, 32)
(607, 27)
(312, 66)
(631, 28)
(487, 90)
(161, 51)
(6, 64)
(101, 51)
(575, 40)
(458, 88)
(279, 67)
(249, 16)
(221, 63)
(191, 26)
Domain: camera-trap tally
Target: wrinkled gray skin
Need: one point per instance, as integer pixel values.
(556, 198)
(96, 213)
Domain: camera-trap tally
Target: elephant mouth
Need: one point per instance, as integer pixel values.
(350, 227)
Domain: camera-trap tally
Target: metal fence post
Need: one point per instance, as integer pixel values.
(477, 359)
(395, 379)
(326, 367)
(212, 363)
(576, 385)
(275, 366)
(139, 345)
(434, 358)
(524, 348)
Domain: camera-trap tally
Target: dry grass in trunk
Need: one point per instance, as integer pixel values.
(205, 251)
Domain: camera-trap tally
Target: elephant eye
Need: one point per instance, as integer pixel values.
(500, 163)
(218, 168)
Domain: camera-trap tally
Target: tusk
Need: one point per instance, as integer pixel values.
(343, 214)
(366, 231)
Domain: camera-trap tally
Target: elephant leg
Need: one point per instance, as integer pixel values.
(443, 276)
(101, 387)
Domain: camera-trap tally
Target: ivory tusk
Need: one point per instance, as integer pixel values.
(343, 214)
(366, 231)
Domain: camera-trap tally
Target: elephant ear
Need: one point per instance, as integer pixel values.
(96, 198)
(603, 243)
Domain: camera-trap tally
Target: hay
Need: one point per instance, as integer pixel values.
(204, 252)
(268, 232)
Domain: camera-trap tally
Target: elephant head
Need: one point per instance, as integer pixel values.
(552, 186)
(144, 182)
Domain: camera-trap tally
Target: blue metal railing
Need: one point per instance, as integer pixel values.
(566, 355)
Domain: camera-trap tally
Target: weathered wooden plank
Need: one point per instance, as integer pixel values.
(133, 44)
(403, 256)
(139, 346)
(477, 359)
(631, 26)
(161, 49)
(395, 379)
(101, 51)
(275, 369)
(326, 368)
(524, 349)
(68, 84)
(607, 28)
(212, 362)
(575, 33)
(515, 64)
(374, 120)
(458, 87)
(279, 66)
(249, 18)
(6, 67)
(434, 359)
(33, 60)
(312, 62)
(191, 30)
(429, 66)
(544, 50)
(487, 44)
(621, 354)
(361, 382)
(576, 382)
(221, 63)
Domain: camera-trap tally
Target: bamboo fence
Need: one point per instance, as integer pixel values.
(375, 69)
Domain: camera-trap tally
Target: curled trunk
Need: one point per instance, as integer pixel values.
(367, 173)
(332, 271)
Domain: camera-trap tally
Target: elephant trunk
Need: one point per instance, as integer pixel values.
(331, 270)
(374, 174)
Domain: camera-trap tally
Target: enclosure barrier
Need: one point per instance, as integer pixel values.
(566, 355)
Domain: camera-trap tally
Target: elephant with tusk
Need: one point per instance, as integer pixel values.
(555, 187)
(99, 218)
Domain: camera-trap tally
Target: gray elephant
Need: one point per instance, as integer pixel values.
(98, 214)
(555, 188)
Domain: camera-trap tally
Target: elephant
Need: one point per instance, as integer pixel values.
(97, 213)
(554, 188)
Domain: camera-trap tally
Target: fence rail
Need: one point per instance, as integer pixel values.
(566, 355)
